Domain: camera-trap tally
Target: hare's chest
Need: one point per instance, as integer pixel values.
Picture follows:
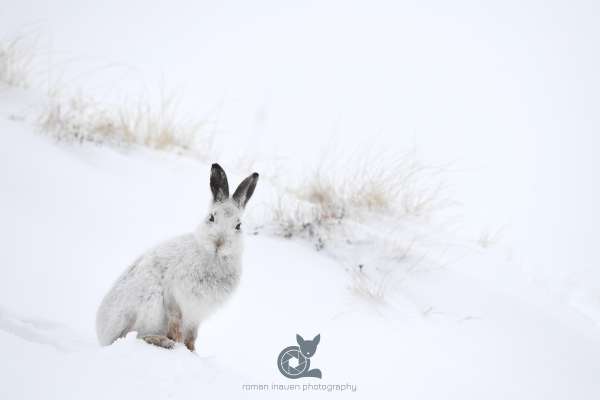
(212, 287)
(203, 290)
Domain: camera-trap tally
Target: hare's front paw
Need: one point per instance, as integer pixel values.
(160, 341)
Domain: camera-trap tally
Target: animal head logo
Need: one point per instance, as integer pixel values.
(294, 361)
(308, 347)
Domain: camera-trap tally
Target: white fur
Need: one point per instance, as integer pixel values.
(189, 274)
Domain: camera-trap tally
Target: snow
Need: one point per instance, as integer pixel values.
(504, 95)
(75, 216)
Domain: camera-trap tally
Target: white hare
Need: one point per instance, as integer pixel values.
(169, 290)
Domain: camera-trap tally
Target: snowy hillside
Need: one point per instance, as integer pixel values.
(75, 216)
(427, 200)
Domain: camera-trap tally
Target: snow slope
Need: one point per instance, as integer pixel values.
(505, 93)
(73, 217)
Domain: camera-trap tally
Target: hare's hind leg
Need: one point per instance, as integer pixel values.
(190, 337)
(174, 330)
(152, 322)
(174, 323)
(158, 340)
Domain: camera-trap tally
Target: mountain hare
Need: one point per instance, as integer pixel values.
(169, 290)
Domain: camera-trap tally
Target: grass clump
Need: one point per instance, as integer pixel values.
(377, 188)
(16, 57)
(82, 119)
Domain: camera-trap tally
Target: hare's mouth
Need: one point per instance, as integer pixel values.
(219, 243)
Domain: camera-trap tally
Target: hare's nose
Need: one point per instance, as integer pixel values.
(219, 242)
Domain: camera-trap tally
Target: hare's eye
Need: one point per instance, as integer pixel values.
(238, 226)
(211, 218)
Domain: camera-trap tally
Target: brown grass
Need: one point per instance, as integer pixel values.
(81, 119)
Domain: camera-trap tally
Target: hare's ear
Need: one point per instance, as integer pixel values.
(299, 340)
(243, 192)
(218, 183)
(317, 339)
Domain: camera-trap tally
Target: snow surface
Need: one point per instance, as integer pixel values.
(505, 95)
(502, 93)
(74, 216)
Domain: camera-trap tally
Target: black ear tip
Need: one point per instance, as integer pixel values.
(217, 170)
(255, 175)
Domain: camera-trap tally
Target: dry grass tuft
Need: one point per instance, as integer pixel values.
(81, 119)
(489, 237)
(319, 206)
(376, 184)
(16, 57)
(369, 289)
